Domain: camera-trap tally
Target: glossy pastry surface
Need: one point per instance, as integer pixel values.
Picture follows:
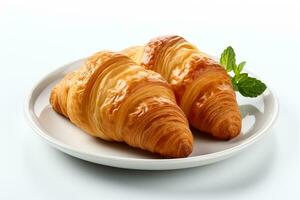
(202, 87)
(113, 98)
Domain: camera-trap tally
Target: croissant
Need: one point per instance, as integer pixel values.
(113, 98)
(202, 87)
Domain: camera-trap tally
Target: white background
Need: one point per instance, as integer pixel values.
(38, 36)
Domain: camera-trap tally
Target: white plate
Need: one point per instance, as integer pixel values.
(258, 116)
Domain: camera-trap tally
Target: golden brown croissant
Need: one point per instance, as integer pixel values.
(113, 98)
(202, 87)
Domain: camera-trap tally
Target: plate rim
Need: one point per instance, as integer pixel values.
(33, 122)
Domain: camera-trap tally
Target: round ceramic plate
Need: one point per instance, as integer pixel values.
(258, 116)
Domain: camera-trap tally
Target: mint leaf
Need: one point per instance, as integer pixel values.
(234, 84)
(247, 86)
(241, 66)
(240, 77)
(235, 69)
(228, 59)
(250, 87)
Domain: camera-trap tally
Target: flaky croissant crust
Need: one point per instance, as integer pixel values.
(113, 98)
(202, 87)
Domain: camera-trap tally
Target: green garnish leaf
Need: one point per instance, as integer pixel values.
(234, 84)
(241, 66)
(228, 59)
(242, 82)
(240, 77)
(251, 87)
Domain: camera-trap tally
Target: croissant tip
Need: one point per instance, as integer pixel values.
(185, 148)
(231, 131)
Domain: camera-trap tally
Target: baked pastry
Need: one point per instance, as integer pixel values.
(113, 98)
(202, 87)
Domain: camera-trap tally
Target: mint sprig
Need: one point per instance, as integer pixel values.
(241, 82)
